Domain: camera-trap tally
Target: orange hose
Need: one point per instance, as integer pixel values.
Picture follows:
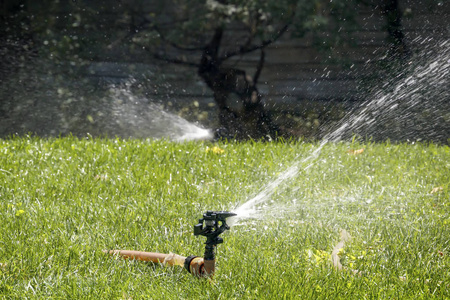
(196, 265)
(170, 259)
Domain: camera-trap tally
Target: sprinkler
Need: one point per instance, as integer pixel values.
(214, 225)
(211, 226)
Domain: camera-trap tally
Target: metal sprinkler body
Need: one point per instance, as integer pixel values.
(211, 226)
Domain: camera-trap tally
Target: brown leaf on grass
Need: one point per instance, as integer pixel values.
(101, 177)
(356, 152)
(437, 189)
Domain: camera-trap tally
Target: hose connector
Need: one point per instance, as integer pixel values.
(195, 265)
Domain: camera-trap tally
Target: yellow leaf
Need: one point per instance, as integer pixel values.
(215, 150)
(19, 212)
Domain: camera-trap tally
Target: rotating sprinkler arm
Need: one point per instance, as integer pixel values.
(215, 224)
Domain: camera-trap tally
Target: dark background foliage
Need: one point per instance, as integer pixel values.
(246, 68)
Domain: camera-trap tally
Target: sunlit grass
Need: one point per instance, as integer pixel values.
(63, 200)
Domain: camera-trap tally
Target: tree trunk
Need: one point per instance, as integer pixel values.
(251, 120)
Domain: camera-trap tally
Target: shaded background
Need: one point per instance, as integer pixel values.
(73, 67)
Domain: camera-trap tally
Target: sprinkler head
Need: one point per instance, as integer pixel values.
(212, 225)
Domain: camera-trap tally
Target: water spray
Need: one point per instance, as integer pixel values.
(211, 226)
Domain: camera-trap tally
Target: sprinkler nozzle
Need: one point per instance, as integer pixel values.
(212, 225)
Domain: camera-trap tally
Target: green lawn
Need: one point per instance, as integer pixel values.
(64, 200)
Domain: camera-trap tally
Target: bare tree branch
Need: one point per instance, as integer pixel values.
(262, 45)
(259, 67)
(174, 60)
(147, 24)
(173, 44)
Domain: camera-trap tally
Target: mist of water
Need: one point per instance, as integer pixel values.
(133, 116)
(415, 105)
(250, 208)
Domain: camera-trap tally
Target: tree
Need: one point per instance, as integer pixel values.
(211, 36)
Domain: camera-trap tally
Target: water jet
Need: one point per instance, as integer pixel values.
(412, 107)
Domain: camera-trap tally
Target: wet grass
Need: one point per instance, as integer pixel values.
(64, 200)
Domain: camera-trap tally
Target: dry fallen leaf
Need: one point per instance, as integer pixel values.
(437, 189)
(356, 152)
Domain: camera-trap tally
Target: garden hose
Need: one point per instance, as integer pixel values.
(211, 225)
